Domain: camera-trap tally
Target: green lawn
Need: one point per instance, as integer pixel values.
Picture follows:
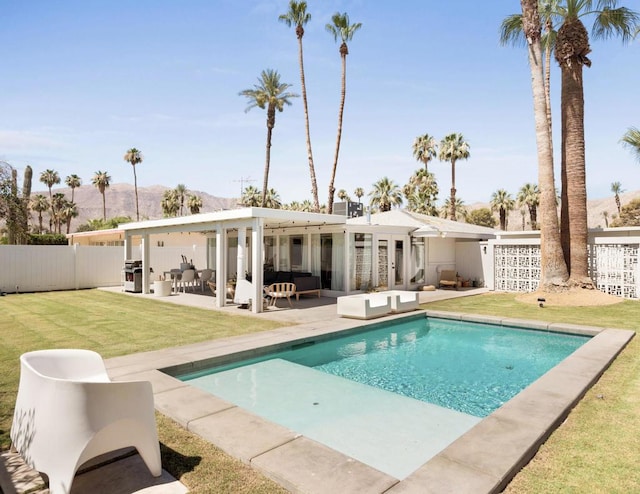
(595, 450)
(116, 324)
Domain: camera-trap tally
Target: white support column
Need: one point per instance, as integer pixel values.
(128, 246)
(242, 246)
(146, 263)
(346, 263)
(257, 261)
(221, 266)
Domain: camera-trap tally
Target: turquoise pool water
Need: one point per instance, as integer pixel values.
(467, 367)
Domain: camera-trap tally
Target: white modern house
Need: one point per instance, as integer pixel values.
(395, 249)
(392, 250)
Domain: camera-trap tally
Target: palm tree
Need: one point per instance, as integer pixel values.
(553, 267)
(359, 192)
(307, 206)
(512, 32)
(194, 203)
(631, 139)
(73, 182)
(170, 203)
(425, 148)
(605, 215)
(453, 148)
(341, 29)
(68, 211)
(571, 50)
(461, 210)
(57, 204)
(529, 196)
(134, 156)
(50, 178)
(271, 94)
(298, 16)
(343, 195)
(102, 180)
(502, 202)
(181, 190)
(616, 188)
(421, 192)
(39, 204)
(251, 197)
(272, 199)
(385, 194)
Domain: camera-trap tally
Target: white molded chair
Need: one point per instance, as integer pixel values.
(69, 411)
(188, 279)
(207, 275)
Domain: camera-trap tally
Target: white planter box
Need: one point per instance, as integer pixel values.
(162, 288)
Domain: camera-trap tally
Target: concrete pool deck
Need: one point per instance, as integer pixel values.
(482, 460)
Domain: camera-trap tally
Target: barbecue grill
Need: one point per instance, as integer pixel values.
(133, 276)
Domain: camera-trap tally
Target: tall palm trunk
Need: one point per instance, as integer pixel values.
(271, 122)
(553, 267)
(571, 52)
(135, 186)
(312, 170)
(52, 213)
(547, 83)
(574, 165)
(104, 205)
(452, 206)
(533, 216)
(344, 51)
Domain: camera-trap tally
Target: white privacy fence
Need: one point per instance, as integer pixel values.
(613, 265)
(40, 268)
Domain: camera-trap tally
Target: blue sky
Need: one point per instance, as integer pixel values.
(84, 81)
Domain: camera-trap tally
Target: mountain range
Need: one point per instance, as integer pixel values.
(120, 201)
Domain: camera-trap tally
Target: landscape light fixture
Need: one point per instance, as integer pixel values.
(541, 301)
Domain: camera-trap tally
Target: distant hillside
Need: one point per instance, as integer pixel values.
(120, 201)
(595, 208)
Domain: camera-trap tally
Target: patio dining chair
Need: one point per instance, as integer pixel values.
(205, 276)
(188, 279)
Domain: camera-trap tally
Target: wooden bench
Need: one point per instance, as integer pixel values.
(307, 292)
(306, 285)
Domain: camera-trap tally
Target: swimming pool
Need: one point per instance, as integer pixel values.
(469, 367)
(343, 434)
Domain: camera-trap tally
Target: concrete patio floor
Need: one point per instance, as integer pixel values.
(482, 460)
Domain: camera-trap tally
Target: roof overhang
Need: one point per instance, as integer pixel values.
(234, 218)
(430, 231)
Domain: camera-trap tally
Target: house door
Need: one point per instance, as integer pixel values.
(390, 262)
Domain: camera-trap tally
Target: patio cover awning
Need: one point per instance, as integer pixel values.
(233, 218)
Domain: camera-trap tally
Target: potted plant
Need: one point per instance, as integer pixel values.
(162, 287)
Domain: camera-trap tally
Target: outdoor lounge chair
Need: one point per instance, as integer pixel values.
(69, 411)
(403, 301)
(280, 290)
(364, 305)
(448, 279)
